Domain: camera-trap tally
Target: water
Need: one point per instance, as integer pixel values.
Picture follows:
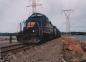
(80, 37)
(7, 37)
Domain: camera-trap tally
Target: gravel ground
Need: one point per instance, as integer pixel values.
(47, 52)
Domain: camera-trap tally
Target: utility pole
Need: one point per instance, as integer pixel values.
(68, 25)
(34, 6)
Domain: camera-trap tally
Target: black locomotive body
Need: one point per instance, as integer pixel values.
(37, 29)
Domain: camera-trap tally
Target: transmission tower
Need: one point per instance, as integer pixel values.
(34, 6)
(68, 25)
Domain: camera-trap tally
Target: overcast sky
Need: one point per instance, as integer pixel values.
(14, 11)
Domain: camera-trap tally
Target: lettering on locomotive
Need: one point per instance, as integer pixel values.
(31, 24)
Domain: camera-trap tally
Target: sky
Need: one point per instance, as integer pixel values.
(12, 12)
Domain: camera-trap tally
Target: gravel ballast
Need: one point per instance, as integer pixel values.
(47, 52)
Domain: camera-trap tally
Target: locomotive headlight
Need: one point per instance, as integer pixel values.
(33, 31)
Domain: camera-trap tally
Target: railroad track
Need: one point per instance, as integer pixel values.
(14, 48)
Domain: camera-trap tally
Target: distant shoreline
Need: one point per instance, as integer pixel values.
(74, 33)
(63, 33)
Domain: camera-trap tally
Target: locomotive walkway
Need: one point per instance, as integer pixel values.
(48, 52)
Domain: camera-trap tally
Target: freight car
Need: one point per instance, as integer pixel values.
(38, 29)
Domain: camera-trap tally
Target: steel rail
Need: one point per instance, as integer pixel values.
(5, 50)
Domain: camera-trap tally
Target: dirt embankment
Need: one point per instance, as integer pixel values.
(74, 50)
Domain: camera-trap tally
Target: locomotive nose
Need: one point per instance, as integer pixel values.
(33, 27)
(33, 32)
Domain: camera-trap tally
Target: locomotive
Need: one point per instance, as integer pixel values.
(38, 29)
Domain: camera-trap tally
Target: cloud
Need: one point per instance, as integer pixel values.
(14, 11)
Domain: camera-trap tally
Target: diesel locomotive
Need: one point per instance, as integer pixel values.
(38, 29)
